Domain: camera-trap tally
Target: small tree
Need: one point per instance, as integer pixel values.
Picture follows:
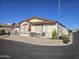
(54, 34)
(2, 31)
(66, 39)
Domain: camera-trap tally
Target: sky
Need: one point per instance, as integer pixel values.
(17, 10)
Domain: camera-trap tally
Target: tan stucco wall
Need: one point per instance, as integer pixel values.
(36, 20)
(24, 27)
(23, 23)
(32, 28)
(46, 28)
(62, 30)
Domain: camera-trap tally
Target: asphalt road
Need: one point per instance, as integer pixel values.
(20, 50)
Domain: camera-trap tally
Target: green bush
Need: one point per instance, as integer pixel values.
(2, 32)
(54, 35)
(66, 39)
(62, 36)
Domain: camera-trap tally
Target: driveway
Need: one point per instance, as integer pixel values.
(21, 50)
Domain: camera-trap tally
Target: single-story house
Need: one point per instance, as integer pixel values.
(42, 27)
(10, 28)
(6, 27)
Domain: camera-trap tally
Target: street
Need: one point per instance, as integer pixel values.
(21, 50)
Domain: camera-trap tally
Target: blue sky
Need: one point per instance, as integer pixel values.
(18, 10)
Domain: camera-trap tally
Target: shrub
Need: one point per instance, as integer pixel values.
(60, 37)
(54, 34)
(2, 32)
(66, 39)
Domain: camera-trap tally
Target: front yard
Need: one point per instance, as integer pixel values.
(36, 41)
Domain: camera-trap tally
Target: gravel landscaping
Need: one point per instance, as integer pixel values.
(36, 41)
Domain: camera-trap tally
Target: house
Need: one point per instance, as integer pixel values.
(10, 28)
(15, 29)
(42, 27)
(6, 27)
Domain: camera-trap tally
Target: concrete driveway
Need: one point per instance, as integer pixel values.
(21, 50)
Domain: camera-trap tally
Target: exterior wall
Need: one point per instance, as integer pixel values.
(44, 28)
(65, 31)
(33, 28)
(62, 30)
(24, 27)
(37, 28)
(36, 20)
(48, 30)
(23, 23)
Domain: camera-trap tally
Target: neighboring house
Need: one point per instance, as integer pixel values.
(42, 26)
(10, 28)
(6, 27)
(15, 29)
